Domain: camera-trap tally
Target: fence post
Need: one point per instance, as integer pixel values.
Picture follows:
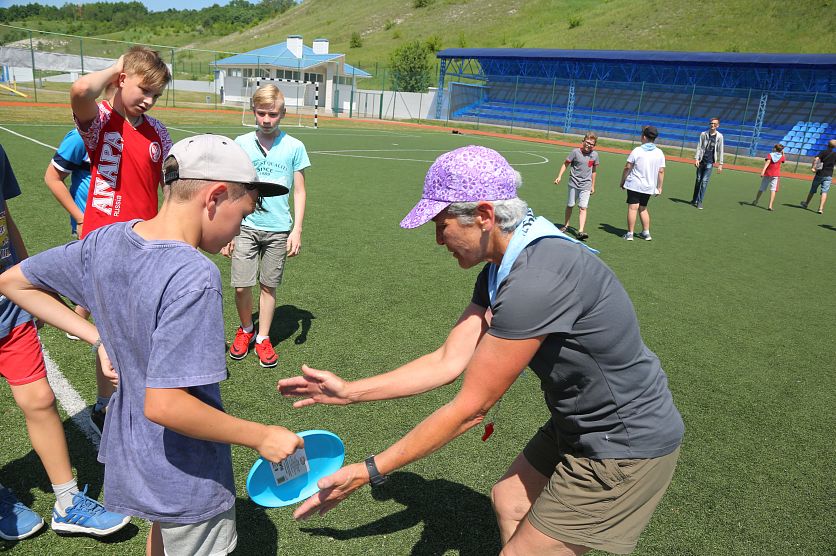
(809, 119)
(592, 110)
(212, 70)
(351, 98)
(740, 129)
(551, 108)
(32, 53)
(514, 107)
(81, 52)
(638, 113)
(687, 121)
(420, 106)
(382, 90)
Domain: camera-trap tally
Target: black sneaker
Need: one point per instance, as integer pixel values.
(97, 418)
(582, 236)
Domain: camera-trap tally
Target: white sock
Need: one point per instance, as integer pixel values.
(259, 338)
(247, 329)
(64, 495)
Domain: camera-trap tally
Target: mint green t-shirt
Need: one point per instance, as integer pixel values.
(286, 156)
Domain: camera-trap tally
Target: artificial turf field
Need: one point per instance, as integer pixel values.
(737, 302)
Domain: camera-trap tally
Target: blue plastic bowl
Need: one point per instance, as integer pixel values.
(325, 452)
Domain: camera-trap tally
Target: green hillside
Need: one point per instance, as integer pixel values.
(728, 26)
(383, 25)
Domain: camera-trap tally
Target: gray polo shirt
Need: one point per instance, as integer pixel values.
(606, 391)
(582, 165)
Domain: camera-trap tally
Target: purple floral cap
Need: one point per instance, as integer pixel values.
(471, 173)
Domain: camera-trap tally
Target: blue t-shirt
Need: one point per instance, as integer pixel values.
(72, 158)
(159, 311)
(10, 314)
(286, 156)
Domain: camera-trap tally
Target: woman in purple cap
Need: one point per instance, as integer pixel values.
(592, 475)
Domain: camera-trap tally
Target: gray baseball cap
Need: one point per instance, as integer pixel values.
(217, 158)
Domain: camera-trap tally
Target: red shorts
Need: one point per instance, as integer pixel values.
(21, 356)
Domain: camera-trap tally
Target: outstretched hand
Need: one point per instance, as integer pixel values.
(333, 490)
(315, 386)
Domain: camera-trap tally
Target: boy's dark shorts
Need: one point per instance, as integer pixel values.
(21, 356)
(634, 197)
(602, 504)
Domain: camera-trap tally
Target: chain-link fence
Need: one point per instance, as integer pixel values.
(752, 121)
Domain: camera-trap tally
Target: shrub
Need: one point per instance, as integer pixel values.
(356, 40)
(575, 21)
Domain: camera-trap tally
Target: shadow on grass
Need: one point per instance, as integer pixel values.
(286, 321)
(614, 230)
(455, 518)
(677, 200)
(749, 204)
(828, 227)
(256, 533)
(797, 206)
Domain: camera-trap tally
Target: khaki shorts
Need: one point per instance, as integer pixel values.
(214, 537)
(250, 244)
(602, 504)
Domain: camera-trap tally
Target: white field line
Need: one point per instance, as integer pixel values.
(350, 153)
(73, 404)
(28, 138)
(70, 400)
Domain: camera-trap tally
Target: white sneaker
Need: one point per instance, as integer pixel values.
(71, 337)
(628, 236)
(645, 236)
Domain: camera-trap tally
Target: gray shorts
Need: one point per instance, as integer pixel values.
(769, 181)
(214, 537)
(581, 195)
(250, 244)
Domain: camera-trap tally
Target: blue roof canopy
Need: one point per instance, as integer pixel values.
(280, 56)
(765, 71)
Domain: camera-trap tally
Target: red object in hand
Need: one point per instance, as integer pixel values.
(488, 432)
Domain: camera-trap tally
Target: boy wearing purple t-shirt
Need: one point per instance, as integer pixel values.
(166, 439)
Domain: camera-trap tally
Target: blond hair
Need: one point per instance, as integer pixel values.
(590, 135)
(146, 63)
(268, 94)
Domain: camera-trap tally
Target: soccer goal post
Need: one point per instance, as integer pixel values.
(297, 95)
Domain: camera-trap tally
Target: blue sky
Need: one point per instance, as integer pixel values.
(153, 5)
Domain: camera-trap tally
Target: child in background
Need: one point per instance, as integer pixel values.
(771, 174)
(166, 444)
(126, 149)
(126, 146)
(584, 162)
(271, 234)
(22, 365)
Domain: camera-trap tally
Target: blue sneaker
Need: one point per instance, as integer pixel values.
(88, 517)
(16, 520)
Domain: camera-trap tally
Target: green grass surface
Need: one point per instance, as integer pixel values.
(735, 300)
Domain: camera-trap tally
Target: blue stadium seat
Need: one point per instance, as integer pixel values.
(792, 151)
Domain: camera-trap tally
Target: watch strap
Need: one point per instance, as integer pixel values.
(375, 478)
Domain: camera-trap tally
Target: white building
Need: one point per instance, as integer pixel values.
(291, 60)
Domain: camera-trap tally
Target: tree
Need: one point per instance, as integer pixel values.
(411, 67)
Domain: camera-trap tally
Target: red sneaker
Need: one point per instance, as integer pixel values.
(241, 344)
(266, 354)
